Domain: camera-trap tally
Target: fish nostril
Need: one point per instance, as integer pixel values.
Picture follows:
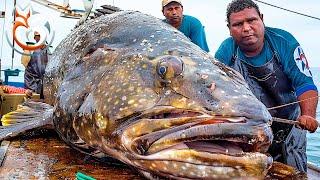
(204, 80)
(204, 76)
(211, 86)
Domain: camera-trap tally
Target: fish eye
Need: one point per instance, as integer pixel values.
(169, 67)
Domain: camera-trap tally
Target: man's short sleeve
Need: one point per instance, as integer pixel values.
(294, 61)
(193, 29)
(225, 52)
(298, 70)
(198, 35)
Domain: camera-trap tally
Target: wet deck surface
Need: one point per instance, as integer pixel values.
(44, 156)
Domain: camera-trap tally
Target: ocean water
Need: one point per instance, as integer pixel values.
(313, 144)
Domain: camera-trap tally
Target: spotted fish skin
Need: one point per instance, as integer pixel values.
(131, 87)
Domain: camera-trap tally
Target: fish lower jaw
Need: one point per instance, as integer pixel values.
(192, 164)
(204, 160)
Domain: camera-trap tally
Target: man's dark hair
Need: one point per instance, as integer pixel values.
(239, 5)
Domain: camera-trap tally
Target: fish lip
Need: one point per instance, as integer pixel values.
(141, 144)
(161, 111)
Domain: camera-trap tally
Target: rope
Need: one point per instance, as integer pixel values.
(288, 10)
(288, 104)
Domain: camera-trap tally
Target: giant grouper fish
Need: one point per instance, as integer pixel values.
(131, 87)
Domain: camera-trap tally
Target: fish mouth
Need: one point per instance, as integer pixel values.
(197, 130)
(192, 140)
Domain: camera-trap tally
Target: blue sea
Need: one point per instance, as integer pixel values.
(313, 147)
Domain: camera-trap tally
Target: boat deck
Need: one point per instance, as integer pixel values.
(313, 172)
(42, 155)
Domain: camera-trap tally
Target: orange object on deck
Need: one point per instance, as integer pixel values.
(13, 90)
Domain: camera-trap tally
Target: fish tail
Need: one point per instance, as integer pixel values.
(28, 116)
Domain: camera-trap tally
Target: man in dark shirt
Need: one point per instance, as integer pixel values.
(274, 65)
(35, 68)
(188, 25)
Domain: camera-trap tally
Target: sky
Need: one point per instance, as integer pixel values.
(210, 12)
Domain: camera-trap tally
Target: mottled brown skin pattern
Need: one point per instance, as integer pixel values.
(131, 87)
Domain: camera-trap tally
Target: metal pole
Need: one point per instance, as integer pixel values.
(3, 27)
(14, 19)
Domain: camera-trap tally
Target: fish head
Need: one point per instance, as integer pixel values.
(181, 115)
(149, 97)
(196, 119)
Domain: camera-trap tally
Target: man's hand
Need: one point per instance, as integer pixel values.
(28, 93)
(309, 123)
